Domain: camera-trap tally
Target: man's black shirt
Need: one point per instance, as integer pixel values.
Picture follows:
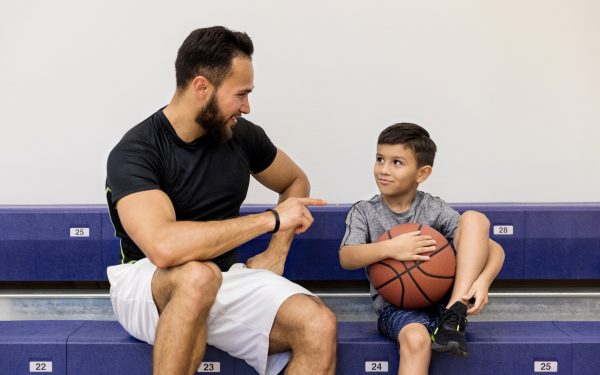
(205, 180)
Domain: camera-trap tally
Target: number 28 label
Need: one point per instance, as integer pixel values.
(503, 230)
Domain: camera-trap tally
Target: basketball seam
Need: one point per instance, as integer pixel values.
(434, 276)
(417, 285)
(390, 280)
(418, 262)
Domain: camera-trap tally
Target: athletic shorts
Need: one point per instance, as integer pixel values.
(239, 322)
(392, 319)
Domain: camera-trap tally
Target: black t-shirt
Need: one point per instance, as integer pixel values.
(205, 180)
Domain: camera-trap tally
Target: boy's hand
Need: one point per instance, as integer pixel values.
(478, 292)
(410, 246)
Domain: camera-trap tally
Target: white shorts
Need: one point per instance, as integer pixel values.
(239, 322)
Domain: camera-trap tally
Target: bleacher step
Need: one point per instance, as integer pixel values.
(103, 347)
(505, 305)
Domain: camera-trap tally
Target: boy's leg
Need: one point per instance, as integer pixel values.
(471, 243)
(409, 329)
(415, 350)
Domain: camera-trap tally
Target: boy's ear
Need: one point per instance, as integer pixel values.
(424, 172)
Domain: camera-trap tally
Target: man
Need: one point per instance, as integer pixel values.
(174, 187)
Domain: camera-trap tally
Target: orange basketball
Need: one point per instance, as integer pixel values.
(410, 284)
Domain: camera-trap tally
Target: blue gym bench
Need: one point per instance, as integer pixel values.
(103, 347)
(77, 243)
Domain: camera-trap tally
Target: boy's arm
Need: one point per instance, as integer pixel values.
(358, 256)
(407, 246)
(479, 289)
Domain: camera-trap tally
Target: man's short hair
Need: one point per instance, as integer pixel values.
(412, 136)
(209, 52)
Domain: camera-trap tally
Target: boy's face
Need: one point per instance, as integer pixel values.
(396, 171)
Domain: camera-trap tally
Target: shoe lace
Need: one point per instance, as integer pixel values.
(453, 318)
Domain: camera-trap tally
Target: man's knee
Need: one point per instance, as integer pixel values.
(198, 282)
(319, 327)
(414, 338)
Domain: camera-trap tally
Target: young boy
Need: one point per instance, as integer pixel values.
(404, 159)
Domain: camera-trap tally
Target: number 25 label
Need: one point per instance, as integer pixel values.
(545, 366)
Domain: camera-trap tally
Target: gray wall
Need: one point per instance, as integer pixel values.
(510, 90)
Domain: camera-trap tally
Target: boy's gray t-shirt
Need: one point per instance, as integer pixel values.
(367, 220)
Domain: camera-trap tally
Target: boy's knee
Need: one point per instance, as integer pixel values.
(414, 338)
(475, 218)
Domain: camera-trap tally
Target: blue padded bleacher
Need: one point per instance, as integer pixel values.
(86, 347)
(34, 345)
(104, 347)
(585, 358)
(77, 243)
(548, 241)
(494, 347)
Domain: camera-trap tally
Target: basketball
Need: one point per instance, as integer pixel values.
(414, 284)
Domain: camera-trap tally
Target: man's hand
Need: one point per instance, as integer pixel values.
(410, 246)
(294, 214)
(478, 292)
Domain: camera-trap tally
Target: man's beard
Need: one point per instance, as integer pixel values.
(213, 121)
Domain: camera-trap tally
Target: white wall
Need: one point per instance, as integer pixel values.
(509, 90)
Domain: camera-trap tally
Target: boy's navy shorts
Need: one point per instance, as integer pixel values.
(392, 319)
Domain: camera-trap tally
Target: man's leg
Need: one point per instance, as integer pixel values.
(183, 296)
(471, 242)
(308, 328)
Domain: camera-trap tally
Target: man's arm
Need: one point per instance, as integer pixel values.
(285, 177)
(149, 219)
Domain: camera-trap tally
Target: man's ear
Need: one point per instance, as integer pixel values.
(201, 87)
(424, 172)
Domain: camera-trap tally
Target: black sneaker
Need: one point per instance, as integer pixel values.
(449, 333)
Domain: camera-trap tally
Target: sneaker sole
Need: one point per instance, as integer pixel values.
(452, 347)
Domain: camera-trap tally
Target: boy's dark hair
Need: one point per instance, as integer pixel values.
(412, 136)
(209, 52)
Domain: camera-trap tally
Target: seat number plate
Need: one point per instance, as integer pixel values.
(381, 366)
(79, 232)
(503, 230)
(210, 367)
(40, 366)
(545, 366)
